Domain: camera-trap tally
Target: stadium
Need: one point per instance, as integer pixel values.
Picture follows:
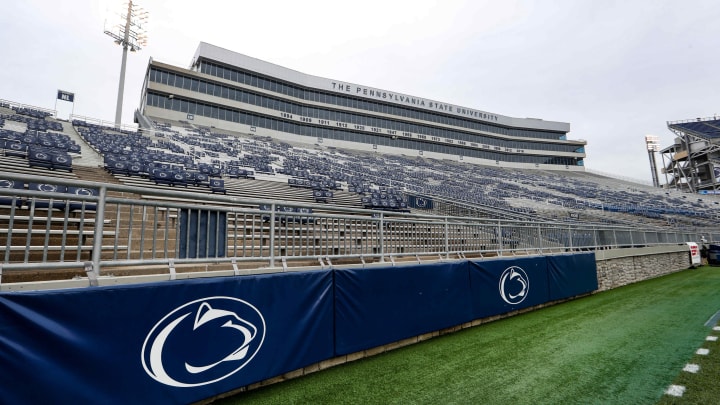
(280, 223)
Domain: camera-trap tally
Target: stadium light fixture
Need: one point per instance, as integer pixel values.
(130, 34)
(652, 143)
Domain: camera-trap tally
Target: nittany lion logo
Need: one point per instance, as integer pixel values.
(7, 183)
(203, 341)
(514, 285)
(48, 188)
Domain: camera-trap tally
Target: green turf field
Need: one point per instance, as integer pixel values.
(623, 346)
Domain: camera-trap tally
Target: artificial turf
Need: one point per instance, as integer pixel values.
(623, 346)
(701, 387)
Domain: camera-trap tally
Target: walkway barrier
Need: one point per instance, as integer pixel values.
(126, 230)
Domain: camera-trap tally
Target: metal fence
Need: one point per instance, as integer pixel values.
(135, 228)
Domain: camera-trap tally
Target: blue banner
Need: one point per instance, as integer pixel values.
(500, 286)
(203, 233)
(170, 342)
(185, 341)
(383, 305)
(571, 275)
(420, 202)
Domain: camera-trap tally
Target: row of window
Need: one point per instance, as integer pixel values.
(241, 117)
(366, 122)
(259, 81)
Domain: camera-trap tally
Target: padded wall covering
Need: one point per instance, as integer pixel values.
(383, 305)
(169, 342)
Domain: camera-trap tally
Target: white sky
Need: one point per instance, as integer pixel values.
(615, 70)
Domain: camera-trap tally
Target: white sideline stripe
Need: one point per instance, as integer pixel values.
(713, 320)
(716, 327)
(711, 338)
(703, 352)
(691, 368)
(675, 390)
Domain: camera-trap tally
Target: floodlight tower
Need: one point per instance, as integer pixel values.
(653, 145)
(129, 34)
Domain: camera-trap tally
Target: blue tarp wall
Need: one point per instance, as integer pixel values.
(186, 340)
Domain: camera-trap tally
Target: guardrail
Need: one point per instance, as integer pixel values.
(136, 227)
(10, 104)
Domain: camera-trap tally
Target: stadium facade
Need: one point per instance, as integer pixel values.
(232, 91)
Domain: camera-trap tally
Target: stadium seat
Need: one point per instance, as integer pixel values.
(78, 205)
(201, 179)
(305, 219)
(39, 158)
(217, 186)
(12, 200)
(61, 161)
(58, 204)
(17, 149)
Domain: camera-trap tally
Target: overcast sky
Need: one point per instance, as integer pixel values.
(615, 70)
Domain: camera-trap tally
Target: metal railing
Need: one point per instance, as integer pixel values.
(135, 228)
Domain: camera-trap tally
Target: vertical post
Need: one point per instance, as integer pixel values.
(272, 235)
(615, 238)
(447, 239)
(382, 238)
(595, 237)
(540, 243)
(98, 233)
(499, 238)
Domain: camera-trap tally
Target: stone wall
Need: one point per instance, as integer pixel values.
(626, 266)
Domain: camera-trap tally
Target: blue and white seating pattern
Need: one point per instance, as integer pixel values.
(375, 176)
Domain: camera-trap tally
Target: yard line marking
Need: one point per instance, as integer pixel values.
(716, 327)
(703, 352)
(676, 390)
(711, 338)
(692, 368)
(713, 319)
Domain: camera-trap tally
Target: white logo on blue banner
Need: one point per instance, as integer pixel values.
(203, 341)
(420, 202)
(514, 285)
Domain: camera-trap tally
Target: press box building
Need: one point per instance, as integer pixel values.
(232, 91)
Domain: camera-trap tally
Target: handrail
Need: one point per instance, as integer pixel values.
(130, 228)
(21, 105)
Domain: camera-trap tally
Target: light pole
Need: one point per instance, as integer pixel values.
(652, 142)
(129, 34)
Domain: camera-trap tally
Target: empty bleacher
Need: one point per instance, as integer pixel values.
(706, 128)
(324, 202)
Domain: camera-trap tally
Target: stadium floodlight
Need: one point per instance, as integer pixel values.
(652, 142)
(129, 34)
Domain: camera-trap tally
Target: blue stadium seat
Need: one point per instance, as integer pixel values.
(78, 205)
(58, 204)
(305, 219)
(17, 149)
(217, 186)
(11, 200)
(201, 179)
(61, 161)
